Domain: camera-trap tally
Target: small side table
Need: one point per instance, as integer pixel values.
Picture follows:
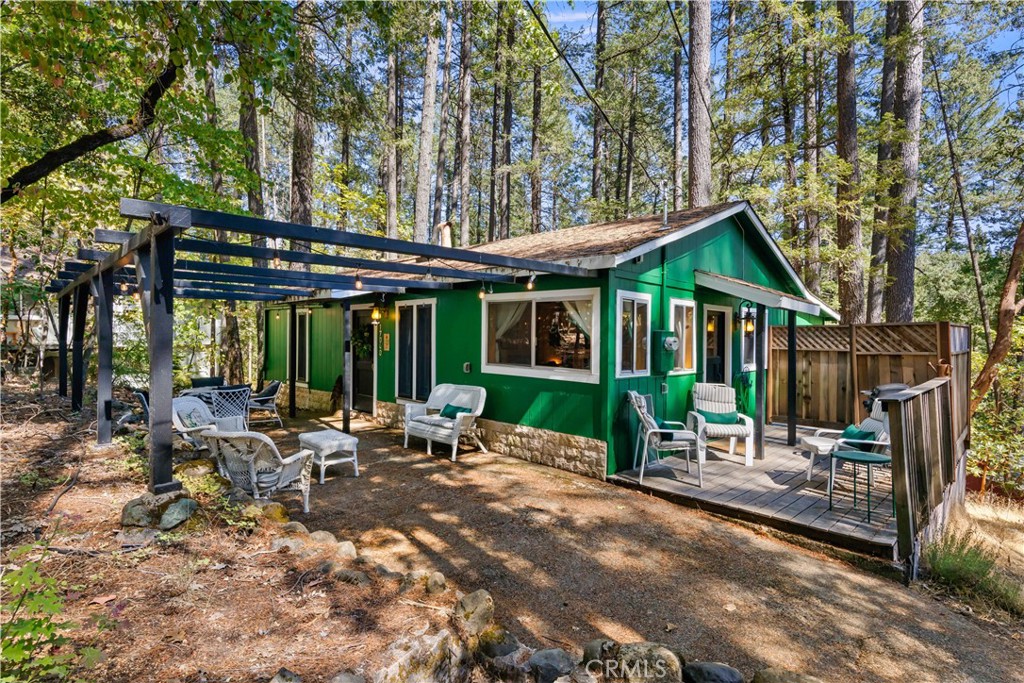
(816, 445)
(331, 447)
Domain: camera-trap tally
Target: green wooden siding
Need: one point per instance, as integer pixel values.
(326, 345)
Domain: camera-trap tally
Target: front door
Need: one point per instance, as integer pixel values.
(363, 333)
(716, 352)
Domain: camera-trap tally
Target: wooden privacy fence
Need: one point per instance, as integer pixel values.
(928, 464)
(836, 362)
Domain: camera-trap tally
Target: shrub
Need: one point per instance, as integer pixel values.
(961, 562)
(34, 644)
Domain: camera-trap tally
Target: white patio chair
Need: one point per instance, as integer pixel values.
(232, 402)
(710, 400)
(266, 402)
(252, 462)
(827, 441)
(658, 438)
(190, 417)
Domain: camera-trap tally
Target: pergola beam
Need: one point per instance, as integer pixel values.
(137, 208)
(182, 283)
(224, 296)
(268, 254)
(303, 278)
(104, 236)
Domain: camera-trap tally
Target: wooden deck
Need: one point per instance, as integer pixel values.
(775, 492)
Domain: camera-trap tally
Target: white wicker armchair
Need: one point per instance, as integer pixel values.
(719, 399)
(190, 416)
(426, 421)
(252, 462)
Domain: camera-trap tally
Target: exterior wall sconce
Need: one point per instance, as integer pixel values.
(745, 317)
(376, 314)
(711, 324)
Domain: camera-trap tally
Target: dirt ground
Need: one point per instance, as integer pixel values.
(566, 558)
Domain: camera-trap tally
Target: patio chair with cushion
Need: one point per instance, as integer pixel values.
(714, 416)
(232, 401)
(449, 413)
(659, 436)
(266, 402)
(870, 435)
(190, 417)
(252, 462)
(207, 382)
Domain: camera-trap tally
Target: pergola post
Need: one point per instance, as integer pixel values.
(346, 408)
(293, 365)
(160, 279)
(103, 285)
(63, 313)
(791, 374)
(759, 380)
(81, 304)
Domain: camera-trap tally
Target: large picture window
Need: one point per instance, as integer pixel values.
(542, 334)
(634, 334)
(684, 327)
(415, 357)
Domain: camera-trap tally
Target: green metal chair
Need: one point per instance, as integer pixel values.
(857, 458)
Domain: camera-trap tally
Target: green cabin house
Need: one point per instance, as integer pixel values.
(557, 354)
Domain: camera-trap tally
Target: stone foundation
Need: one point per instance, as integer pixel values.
(565, 451)
(305, 399)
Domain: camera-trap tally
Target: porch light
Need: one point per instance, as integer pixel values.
(376, 315)
(711, 324)
(748, 326)
(745, 317)
(482, 292)
(529, 283)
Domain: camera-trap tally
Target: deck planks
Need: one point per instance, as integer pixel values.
(775, 491)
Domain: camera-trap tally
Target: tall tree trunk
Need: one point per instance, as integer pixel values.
(851, 271)
(596, 179)
(248, 126)
(442, 135)
(700, 104)
(788, 137)
(886, 107)
(812, 230)
(505, 196)
(535, 161)
(492, 215)
(630, 134)
(345, 182)
(421, 212)
(465, 120)
(730, 65)
(302, 132)
(391, 144)
(901, 249)
(954, 162)
(677, 120)
(1009, 309)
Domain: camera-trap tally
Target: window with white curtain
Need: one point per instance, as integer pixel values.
(542, 334)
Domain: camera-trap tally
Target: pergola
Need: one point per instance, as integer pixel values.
(161, 263)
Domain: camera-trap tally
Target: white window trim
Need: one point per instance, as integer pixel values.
(591, 376)
(632, 296)
(689, 303)
(727, 374)
(409, 303)
(288, 331)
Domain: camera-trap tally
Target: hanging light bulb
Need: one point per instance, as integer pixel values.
(359, 282)
(124, 287)
(482, 292)
(711, 324)
(529, 283)
(277, 260)
(136, 296)
(277, 316)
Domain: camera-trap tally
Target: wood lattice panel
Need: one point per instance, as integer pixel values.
(816, 338)
(897, 339)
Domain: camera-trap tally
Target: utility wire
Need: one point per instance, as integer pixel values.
(586, 92)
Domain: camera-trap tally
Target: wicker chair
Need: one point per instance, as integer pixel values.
(266, 401)
(190, 417)
(719, 399)
(232, 402)
(252, 462)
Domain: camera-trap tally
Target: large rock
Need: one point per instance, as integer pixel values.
(297, 528)
(346, 550)
(426, 658)
(474, 611)
(347, 677)
(200, 467)
(711, 672)
(774, 675)
(600, 650)
(283, 675)
(177, 512)
(147, 509)
(649, 663)
(323, 537)
(240, 498)
(293, 544)
(436, 583)
(547, 665)
(275, 512)
(352, 576)
(497, 642)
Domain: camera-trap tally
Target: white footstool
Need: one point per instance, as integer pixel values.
(331, 447)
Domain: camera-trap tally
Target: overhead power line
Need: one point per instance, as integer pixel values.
(587, 92)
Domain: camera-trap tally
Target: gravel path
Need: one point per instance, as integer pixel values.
(569, 558)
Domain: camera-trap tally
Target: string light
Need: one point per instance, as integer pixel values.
(359, 282)
(277, 260)
(482, 293)
(124, 287)
(529, 283)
